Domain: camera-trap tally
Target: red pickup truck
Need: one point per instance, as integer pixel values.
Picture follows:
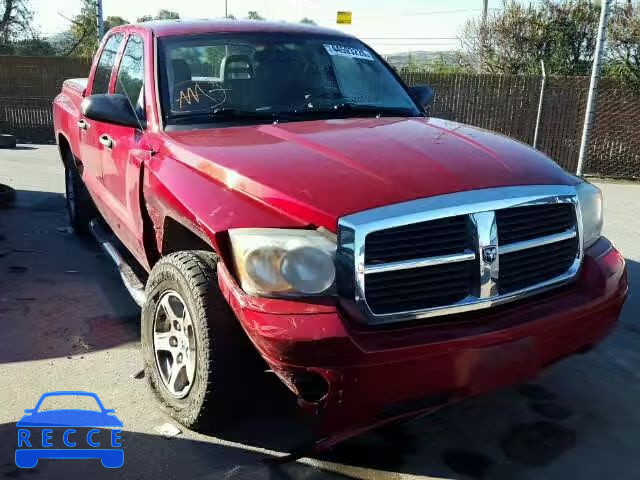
(283, 179)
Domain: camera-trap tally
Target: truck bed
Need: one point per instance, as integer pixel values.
(77, 85)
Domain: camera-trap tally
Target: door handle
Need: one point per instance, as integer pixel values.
(106, 141)
(83, 124)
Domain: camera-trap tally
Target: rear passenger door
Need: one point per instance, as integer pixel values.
(91, 150)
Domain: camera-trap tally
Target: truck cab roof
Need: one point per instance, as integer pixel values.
(167, 28)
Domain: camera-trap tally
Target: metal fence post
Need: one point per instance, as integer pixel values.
(542, 85)
(593, 85)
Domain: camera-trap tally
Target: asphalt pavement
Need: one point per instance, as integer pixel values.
(67, 323)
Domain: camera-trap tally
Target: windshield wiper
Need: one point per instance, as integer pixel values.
(223, 114)
(374, 110)
(337, 110)
(246, 114)
(358, 110)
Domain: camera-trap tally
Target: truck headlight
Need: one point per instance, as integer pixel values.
(276, 262)
(590, 202)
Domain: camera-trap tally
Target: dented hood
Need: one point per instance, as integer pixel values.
(318, 171)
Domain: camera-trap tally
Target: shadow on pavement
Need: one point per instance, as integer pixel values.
(24, 147)
(69, 300)
(631, 309)
(153, 457)
(61, 296)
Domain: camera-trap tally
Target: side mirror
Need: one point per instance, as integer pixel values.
(114, 109)
(424, 94)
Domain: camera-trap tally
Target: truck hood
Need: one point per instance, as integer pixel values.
(318, 171)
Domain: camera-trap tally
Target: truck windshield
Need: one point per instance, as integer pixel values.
(231, 79)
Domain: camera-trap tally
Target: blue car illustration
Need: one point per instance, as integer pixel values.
(67, 419)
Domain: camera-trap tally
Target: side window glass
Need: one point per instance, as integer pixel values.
(131, 74)
(105, 64)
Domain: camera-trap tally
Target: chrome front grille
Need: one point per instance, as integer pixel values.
(419, 288)
(522, 268)
(459, 252)
(528, 267)
(426, 239)
(525, 223)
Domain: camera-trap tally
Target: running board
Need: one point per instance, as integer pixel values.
(129, 278)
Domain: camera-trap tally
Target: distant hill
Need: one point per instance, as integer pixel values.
(422, 57)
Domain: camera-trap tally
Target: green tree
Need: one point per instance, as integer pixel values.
(16, 19)
(623, 53)
(33, 47)
(114, 21)
(308, 21)
(82, 38)
(444, 65)
(511, 41)
(572, 29)
(167, 15)
(560, 32)
(563, 33)
(162, 14)
(412, 65)
(253, 15)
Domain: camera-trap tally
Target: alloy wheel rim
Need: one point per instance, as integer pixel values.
(174, 344)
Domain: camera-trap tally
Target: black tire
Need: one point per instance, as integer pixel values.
(7, 141)
(7, 195)
(219, 388)
(80, 207)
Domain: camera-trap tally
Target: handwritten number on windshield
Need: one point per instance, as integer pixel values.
(194, 93)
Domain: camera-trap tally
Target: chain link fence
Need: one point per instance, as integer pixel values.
(614, 146)
(507, 104)
(28, 85)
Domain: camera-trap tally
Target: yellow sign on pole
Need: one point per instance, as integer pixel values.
(344, 18)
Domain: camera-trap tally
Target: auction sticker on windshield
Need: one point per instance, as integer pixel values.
(351, 52)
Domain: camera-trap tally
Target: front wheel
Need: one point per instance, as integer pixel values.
(193, 346)
(79, 204)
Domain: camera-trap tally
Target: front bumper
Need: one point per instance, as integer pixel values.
(375, 375)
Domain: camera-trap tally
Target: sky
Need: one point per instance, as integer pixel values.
(387, 25)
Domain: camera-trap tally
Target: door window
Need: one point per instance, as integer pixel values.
(130, 77)
(105, 64)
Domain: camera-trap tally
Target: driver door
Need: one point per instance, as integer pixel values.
(125, 150)
(92, 151)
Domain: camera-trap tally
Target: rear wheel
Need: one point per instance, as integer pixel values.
(79, 204)
(194, 348)
(7, 195)
(7, 141)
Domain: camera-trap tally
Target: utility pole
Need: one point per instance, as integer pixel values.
(593, 85)
(99, 20)
(226, 8)
(540, 102)
(483, 34)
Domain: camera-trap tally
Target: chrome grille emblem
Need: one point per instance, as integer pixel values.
(489, 254)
